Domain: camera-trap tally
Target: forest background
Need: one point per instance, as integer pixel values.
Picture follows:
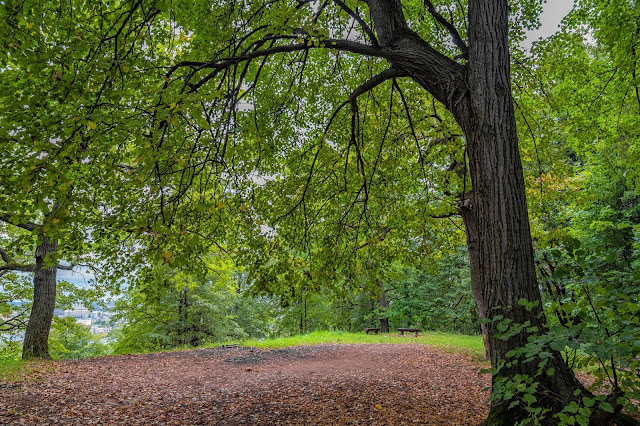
(250, 203)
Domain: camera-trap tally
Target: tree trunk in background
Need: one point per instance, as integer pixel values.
(36, 337)
(476, 289)
(382, 303)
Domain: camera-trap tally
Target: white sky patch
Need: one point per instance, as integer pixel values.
(553, 13)
(80, 276)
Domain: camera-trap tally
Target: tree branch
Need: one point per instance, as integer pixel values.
(14, 323)
(457, 40)
(374, 81)
(12, 265)
(359, 20)
(225, 63)
(440, 75)
(6, 217)
(65, 267)
(5, 256)
(380, 238)
(18, 267)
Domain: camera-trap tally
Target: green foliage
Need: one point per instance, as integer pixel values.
(15, 303)
(16, 298)
(313, 312)
(171, 308)
(70, 340)
(438, 297)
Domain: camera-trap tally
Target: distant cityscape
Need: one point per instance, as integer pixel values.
(100, 322)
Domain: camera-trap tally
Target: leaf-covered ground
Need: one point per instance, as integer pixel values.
(374, 384)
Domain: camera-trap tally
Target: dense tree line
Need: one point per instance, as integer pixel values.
(336, 150)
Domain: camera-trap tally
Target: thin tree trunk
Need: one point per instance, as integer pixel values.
(476, 288)
(36, 337)
(383, 305)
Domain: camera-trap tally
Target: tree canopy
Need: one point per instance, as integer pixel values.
(321, 144)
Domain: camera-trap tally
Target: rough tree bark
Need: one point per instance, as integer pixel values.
(496, 218)
(495, 215)
(36, 337)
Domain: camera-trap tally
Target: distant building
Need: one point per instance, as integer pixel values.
(99, 321)
(78, 312)
(96, 329)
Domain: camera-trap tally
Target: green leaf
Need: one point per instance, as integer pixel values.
(606, 407)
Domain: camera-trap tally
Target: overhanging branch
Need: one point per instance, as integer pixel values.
(359, 20)
(225, 63)
(374, 81)
(6, 217)
(457, 40)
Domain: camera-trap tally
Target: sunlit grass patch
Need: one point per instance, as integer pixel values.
(471, 345)
(12, 370)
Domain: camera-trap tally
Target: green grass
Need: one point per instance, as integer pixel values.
(12, 370)
(471, 345)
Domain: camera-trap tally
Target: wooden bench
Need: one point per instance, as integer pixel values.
(415, 331)
(375, 330)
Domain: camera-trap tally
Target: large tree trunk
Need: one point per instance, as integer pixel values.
(495, 212)
(496, 217)
(497, 221)
(36, 337)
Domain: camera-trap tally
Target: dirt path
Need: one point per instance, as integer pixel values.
(379, 384)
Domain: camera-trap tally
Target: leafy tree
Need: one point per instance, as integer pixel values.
(339, 208)
(249, 123)
(71, 340)
(174, 308)
(63, 69)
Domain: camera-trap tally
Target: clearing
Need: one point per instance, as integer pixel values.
(373, 384)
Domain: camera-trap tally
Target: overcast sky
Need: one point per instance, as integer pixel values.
(80, 277)
(554, 11)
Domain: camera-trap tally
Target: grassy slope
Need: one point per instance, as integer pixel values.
(471, 345)
(12, 370)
